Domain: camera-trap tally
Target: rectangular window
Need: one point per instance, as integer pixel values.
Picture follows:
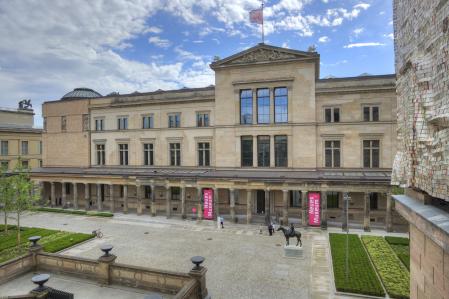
(175, 193)
(123, 152)
(371, 149)
(147, 192)
(24, 148)
(25, 164)
(246, 106)
(63, 123)
(280, 151)
(99, 124)
(148, 155)
(332, 153)
(263, 151)
(147, 122)
(263, 106)
(4, 165)
(174, 120)
(100, 148)
(202, 119)
(122, 123)
(332, 115)
(175, 154)
(295, 199)
(373, 201)
(280, 105)
(203, 154)
(332, 200)
(4, 148)
(246, 150)
(371, 113)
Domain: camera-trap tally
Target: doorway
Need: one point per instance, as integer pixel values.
(260, 203)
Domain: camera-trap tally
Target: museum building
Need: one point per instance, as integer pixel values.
(270, 140)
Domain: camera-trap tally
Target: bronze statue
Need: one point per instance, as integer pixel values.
(25, 104)
(291, 234)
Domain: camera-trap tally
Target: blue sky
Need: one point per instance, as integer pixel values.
(51, 47)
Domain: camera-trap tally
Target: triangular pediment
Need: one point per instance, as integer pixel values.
(263, 53)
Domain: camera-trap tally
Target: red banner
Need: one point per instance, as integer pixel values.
(208, 205)
(314, 209)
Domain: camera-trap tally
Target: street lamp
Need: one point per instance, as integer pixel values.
(346, 199)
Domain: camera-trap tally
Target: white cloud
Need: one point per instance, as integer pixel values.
(153, 29)
(359, 45)
(363, 6)
(358, 31)
(389, 35)
(159, 42)
(324, 39)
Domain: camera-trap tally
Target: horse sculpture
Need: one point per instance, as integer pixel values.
(288, 235)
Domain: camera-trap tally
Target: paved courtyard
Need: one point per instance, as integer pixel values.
(241, 262)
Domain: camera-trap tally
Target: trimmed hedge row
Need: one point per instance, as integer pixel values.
(397, 240)
(362, 278)
(75, 212)
(394, 275)
(401, 246)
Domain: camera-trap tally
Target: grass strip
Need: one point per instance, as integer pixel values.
(392, 272)
(66, 241)
(400, 246)
(362, 278)
(75, 212)
(10, 239)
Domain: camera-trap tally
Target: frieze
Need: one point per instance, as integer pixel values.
(261, 55)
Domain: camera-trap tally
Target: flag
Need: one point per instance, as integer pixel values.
(256, 16)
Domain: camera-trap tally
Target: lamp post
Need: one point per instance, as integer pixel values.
(346, 199)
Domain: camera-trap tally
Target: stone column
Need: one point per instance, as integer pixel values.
(53, 193)
(86, 196)
(284, 207)
(99, 202)
(267, 207)
(199, 274)
(75, 195)
(183, 202)
(63, 194)
(111, 198)
(125, 199)
(305, 207)
(200, 207)
(232, 204)
(139, 199)
(366, 219)
(249, 208)
(167, 202)
(388, 219)
(323, 209)
(216, 204)
(153, 200)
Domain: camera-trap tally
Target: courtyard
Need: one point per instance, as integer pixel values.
(241, 262)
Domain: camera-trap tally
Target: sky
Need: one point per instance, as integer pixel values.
(50, 47)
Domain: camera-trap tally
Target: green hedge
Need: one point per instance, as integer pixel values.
(74, 212)
(394, 275)
(362, 278)
(401, 246)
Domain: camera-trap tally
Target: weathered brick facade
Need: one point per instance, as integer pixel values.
(422, 66)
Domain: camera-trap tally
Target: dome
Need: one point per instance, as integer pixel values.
(81, 93)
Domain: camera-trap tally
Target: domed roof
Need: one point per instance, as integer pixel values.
(81, 93)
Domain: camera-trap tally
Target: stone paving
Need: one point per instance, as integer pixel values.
(242, 262)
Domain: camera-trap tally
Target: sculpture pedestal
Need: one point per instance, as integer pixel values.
(292, 251)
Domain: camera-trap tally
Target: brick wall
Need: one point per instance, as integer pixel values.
(422, 66)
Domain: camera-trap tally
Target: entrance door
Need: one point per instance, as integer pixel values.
(260, 202)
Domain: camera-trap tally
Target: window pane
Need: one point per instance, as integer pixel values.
(246, 106)
(375, 113)
(336, 115)
(366, 143)
(263, 151)
(328, 115)
(280, 105)
(336, 158)
(375, 158)
(246, 150)
(366, 158)
(366, 113)
(263, 106)
(375, 143)
(280, 151)
(328, 158)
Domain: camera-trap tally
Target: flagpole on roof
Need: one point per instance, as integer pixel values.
(263, 37)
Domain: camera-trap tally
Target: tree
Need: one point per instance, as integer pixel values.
(24, 197)
(6, 195)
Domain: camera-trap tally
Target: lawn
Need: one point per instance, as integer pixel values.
(393, 273)
(362, 278)
(401, 246)
(51, 241)
(75, 212)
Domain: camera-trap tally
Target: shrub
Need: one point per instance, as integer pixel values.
(394, 275)
(100, 214)
(75, 212)
(362, 278)
(398, 240)
(400, 246)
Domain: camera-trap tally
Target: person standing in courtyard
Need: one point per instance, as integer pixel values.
(221, 221)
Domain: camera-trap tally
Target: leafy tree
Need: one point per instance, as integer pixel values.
(6, 195)
(24, 198)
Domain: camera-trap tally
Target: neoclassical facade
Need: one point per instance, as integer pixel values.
(270, 140)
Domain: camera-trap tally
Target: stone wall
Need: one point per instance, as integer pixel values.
(422, 65)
